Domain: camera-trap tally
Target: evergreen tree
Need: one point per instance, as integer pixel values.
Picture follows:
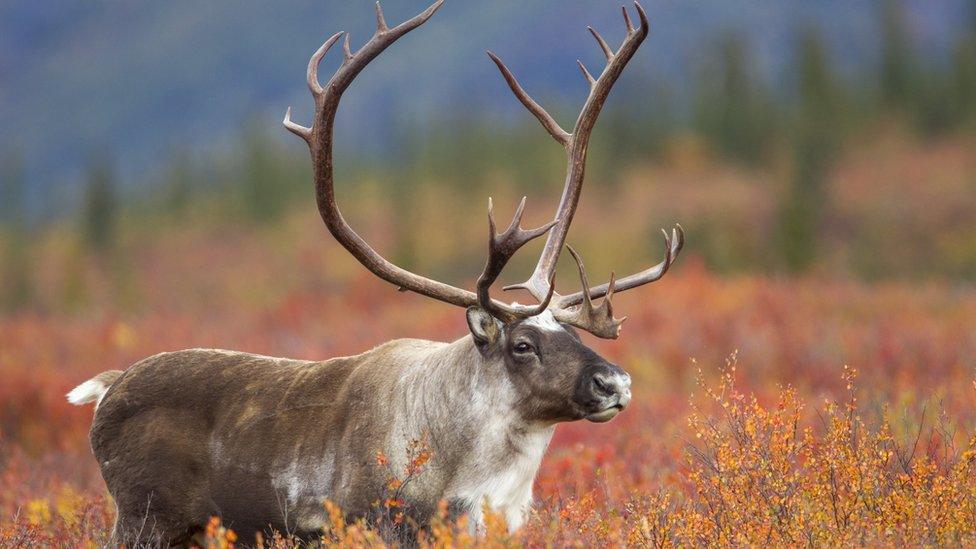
(13, 191)
(16, 288)
(734, 113)
(801, 213)
(179, 185)
(896, 63)
(101, 206)
(964, 70)
(264, 181)
(636, 126)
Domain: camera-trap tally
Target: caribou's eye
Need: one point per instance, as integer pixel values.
(522, 347)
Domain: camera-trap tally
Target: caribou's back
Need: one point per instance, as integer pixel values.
(185, 435)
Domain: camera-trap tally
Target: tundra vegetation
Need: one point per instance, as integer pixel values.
(832, 406)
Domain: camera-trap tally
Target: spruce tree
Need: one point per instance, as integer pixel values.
(101, 206)
(733, 111)
(896, 64)
(16, 288)
(815, 137)
(263, 186)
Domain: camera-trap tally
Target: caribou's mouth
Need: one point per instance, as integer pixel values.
(604, 416)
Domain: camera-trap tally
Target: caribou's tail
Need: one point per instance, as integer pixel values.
(94, 389)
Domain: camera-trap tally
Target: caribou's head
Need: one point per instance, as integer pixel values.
(558, 377)
(554, 375)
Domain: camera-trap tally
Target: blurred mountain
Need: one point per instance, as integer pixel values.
(139, 79)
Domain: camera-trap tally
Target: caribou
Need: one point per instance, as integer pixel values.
(263, 442)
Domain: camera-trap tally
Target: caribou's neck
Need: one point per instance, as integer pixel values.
(463, 405)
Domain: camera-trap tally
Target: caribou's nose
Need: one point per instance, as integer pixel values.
(613, 383)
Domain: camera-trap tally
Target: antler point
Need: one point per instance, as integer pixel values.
(630, 24)
(642, 14)
(586, 73)
(380, 21)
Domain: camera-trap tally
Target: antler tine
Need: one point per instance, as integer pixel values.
(599, 321)
(577, 146)
(546, 119)
(297, 129)
(674, 243)
(346, 50)
(603, 43)
(611, 288)
(501, 247)
(586, 73)
(380, 21)
(587, 301)
(312, 74)
(645, 25)
(630, 25)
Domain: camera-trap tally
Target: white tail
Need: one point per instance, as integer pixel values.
(94, 389)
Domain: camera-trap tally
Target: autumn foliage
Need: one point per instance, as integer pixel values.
(783, 445)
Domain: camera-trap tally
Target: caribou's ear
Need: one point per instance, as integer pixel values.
(485, 328)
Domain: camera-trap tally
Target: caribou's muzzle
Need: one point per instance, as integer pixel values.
(610, 389)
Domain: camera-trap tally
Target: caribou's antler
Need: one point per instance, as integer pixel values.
(599, 321)
(576, 309)
(320, 138)
(501, 248)
(576, 143)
